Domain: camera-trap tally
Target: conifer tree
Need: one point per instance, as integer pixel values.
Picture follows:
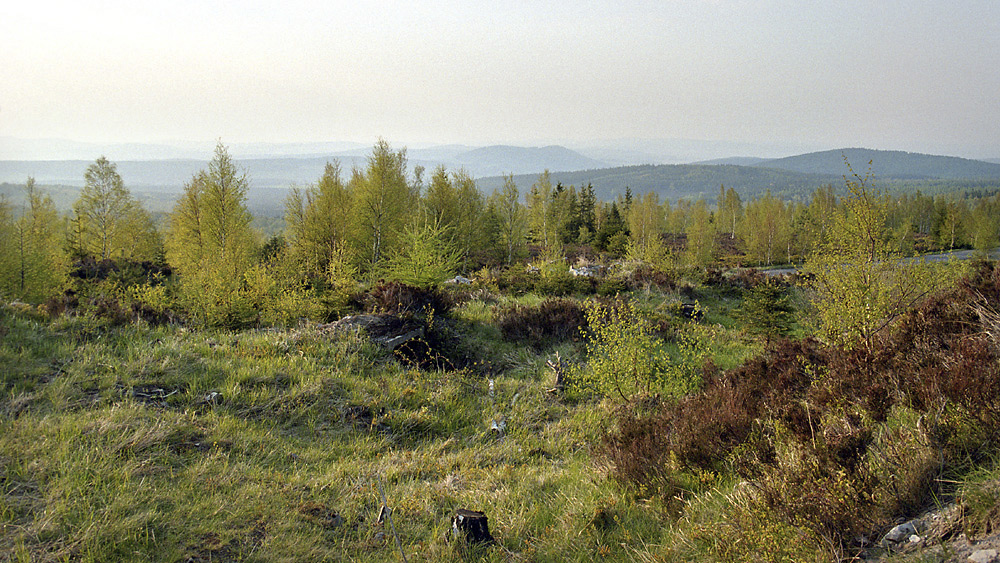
(767, 310)
(319, 221)
(34, 264)
(211, 245)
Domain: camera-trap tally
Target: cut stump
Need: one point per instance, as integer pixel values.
(472, 525)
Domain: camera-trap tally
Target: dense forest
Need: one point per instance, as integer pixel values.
(624, 379)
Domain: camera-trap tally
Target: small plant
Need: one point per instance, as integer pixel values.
(626, 359)
(767, 310)
(427, 257)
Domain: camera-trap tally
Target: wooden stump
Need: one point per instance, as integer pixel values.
(472, 526)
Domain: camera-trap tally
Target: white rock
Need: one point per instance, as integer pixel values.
(984, 556)
(900, 533)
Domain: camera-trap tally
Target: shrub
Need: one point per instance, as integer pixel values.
(396, 298)
(550, 321)
(626, 359)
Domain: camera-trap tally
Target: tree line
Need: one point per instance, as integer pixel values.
(386, 221)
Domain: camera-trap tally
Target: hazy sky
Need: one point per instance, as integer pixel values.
(912, 75)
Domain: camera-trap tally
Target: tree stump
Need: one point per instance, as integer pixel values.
(472, 525)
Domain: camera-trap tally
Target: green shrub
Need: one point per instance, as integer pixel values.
(626, 359)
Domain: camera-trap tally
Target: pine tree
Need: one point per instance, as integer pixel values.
(35, 266)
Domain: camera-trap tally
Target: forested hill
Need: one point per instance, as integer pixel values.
(791, 178)
(672, 181)
(501, 159)
(157, 182)
(897, 165)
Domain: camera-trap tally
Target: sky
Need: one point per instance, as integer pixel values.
(910, 75)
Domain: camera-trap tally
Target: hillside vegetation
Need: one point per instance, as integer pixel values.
(602, 379)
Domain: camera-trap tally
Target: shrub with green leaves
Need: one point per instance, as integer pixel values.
(626, 359)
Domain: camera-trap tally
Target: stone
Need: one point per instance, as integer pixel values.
(388, 331)
(459, 280)
(498, 428)
(898, 534)
(472, 525)
(984, 556)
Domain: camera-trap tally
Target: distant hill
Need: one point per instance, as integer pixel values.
(735, 161)
(285, 171)
(886, 164)
(673, 181)
(158, 182)
(262, 202)
(504, 159)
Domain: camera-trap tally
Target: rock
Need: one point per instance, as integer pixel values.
(984, 556)
(587, 271)
(471, 525)
(459, 280)
(899, 534)
(388, 331)
(498, 428)
(212, 398)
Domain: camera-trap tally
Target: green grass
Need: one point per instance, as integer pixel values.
(110, 452)
(169, 443)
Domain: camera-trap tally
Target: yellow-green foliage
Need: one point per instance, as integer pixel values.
(155, 296)
(859, 283)
(625, 358)
(109, 222)
(427, 256)
(281, 301)
(33, 264)
(652, 252)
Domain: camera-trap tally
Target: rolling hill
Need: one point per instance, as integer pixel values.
(673, 181)
(886, 164)
(158, 182)
(504, 159)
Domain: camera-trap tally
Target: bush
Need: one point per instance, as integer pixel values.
(549, 322)
(626, 359)
(396, 298)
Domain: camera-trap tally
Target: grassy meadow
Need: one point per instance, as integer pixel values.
(129, 440)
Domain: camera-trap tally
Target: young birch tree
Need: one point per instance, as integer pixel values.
(109, 222)
(859, 283)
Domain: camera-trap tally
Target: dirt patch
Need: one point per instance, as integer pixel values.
(212, 548)
(321, 515)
